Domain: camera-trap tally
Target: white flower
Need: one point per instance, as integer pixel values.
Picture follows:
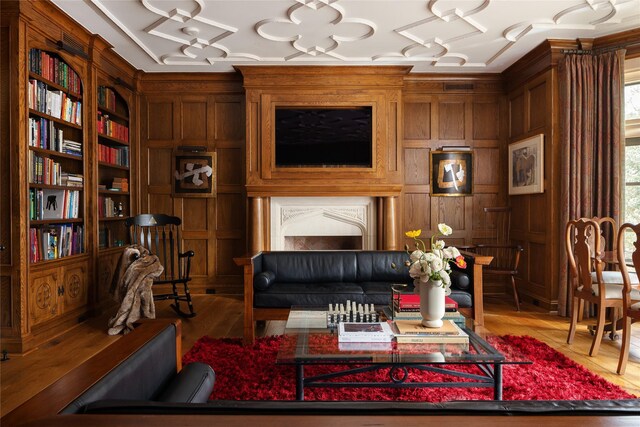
(445, 277)
(436, 265)
(416, 255)
(451, 252)
(444, 229)
(439, 244)
(429, 256)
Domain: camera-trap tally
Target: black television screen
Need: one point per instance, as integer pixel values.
(324, 137)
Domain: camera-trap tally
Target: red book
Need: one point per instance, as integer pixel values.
(413, 301)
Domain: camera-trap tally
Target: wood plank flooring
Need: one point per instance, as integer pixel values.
(23, 376)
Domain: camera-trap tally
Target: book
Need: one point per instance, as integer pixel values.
(391, 314)
(365, 332)
(306, 319)
(54, 204)
(412, 331)
(415, 327)
(412, 300)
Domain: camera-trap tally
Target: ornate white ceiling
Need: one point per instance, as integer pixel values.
(432, 35)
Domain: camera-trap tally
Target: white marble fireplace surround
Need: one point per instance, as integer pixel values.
(323, 216)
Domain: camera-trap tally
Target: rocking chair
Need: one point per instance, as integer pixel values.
(160, 234)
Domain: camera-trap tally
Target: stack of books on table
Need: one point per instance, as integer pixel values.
(412, 331)
(364, 332)
(406, 306)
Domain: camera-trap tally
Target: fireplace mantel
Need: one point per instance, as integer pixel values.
(268, 87)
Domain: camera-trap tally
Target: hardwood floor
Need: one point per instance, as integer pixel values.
(24, 375)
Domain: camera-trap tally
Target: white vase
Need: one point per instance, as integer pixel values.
(432, 303)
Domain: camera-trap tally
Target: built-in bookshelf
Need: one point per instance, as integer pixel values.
(56, 160)
(113, 154)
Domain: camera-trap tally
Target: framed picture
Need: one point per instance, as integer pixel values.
(526, 166)
(451, 173)
(194, 174)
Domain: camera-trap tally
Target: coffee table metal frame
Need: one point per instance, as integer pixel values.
(483, 355)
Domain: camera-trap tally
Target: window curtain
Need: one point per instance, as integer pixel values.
(592, 140)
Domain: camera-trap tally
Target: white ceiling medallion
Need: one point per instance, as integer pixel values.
(315, 28)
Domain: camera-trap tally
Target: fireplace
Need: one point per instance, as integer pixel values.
(323, 223)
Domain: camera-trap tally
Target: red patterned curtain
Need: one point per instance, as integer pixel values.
(592, 140)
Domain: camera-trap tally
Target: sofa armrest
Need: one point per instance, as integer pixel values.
(251, 264)
(193, 384)
(478, 262)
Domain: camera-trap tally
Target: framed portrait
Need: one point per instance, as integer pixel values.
(451, 173)
(194, 174)
(526, 166)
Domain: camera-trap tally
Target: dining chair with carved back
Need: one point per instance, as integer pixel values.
(160, 234)
(631, 291)
(589, 282)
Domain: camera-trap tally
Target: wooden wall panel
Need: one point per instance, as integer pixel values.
(206, 110)
(485, 162)
(486, 120)
(160, 120)
(537, 106)
(228, 207)
(230, 171)
(416, 166)
(194, 120)
(451, 119)
(417, 120)
(159, 166)
(533, 222)
(417, 208)
(196, 214)
(227, 125)
(516, 115)
(201, 260)
(5, 301)
(451, 210)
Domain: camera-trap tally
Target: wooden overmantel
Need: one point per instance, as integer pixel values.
(268, 87)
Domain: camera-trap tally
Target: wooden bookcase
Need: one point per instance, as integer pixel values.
(57, 171)
(114, 163)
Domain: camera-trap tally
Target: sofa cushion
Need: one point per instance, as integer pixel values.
(311, 267)
(285, 295)
(263, 280)
(377, 266)
(193, 384)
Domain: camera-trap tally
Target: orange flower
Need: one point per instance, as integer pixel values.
(460, 262)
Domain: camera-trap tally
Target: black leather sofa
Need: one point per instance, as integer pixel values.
(276, 281)
(130, 383)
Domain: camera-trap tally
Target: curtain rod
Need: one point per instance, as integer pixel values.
(597, 51)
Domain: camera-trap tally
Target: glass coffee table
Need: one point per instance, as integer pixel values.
(307, 341)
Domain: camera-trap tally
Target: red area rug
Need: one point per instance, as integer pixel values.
(250, 373)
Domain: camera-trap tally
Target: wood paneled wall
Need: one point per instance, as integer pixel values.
(454, 111)
(201, 110)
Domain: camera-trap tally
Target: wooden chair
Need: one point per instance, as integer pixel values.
(506, 257)
(631, 293)
(160, 234)
(589, 281)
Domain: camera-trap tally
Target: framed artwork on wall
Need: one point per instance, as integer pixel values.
(526, 166)
(194, 174)
(451, 173)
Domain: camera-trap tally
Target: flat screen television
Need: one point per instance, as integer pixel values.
(324, 137)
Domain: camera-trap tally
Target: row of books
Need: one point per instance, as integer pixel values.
(54, 69)
(54, 242)
(402, 331)
(53, 204)
(119, 184)
(43, 170)
(405, 301)
(114, 156)
(71, 179)
(108, 127)
(106, 207)
(106, 98)
(54, 103)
